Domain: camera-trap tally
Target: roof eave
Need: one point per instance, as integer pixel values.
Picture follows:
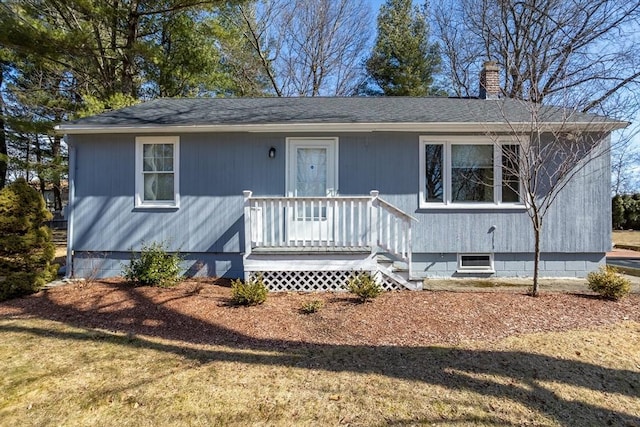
(442, 127)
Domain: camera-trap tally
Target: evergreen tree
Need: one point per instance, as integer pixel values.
(403, 62)
(617, 211)
(60, 60)
(26, 250)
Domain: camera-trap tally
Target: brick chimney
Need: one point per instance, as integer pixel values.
(490, 81)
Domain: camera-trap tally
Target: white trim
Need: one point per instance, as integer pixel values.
(440, 127)
(70, 216)
(470, 206)
(302, 262)
(475, 269)
(139, 180)
(497, 143)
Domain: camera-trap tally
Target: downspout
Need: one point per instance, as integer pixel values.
(70, 203)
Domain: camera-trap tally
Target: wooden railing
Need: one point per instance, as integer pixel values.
(308, 222)
(333, 223)
(393, 228)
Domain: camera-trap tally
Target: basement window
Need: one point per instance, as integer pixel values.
(475, 263)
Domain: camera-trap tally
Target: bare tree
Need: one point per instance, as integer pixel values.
(625, 169)
(551, 150)
(309, 47)
(576, 53)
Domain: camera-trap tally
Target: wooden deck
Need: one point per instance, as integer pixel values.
(309, 241)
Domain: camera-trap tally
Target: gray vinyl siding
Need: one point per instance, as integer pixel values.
(444, 265)
(216, 168)
(579, 222)
(97, 265)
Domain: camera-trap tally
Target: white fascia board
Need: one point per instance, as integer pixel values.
(341, 127)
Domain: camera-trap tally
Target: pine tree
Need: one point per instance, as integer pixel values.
(403, 62)
(617, 211)
(26, 250)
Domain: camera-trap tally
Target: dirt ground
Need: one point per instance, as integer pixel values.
(200, 311)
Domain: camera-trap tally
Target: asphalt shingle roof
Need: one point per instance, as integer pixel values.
(250, 111)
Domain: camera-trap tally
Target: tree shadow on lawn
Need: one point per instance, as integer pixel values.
(522, 375)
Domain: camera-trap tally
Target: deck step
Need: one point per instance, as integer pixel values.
(392, 264)
(400, 277)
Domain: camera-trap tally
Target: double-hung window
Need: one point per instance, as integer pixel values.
(157, 175)
(469, 171)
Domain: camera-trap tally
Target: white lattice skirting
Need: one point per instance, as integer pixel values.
(315, 281)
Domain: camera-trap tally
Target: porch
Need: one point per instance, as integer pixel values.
(318, 243)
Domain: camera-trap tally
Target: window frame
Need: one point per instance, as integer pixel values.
(476, 269)
(139, 201)
(447, 143)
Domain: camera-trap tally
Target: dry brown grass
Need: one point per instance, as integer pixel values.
(59, 238)
(56, 374)
(626, 237)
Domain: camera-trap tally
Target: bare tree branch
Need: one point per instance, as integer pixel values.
(551, 156)
(312, 47)
(578, 53)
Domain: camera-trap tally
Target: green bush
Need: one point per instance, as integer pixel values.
(154, 266)
(251, 292)
(364, 286)
(311, 306)
(617, 212)
(608, 283)
(26, 250)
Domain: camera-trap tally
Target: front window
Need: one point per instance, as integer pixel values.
(510, 173)
(469, 172)
(434, 178)
(157, 171)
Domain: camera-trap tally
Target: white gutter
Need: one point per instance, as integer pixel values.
(443, 127)
(70, 210)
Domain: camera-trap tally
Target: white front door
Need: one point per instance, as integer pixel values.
(312, 171)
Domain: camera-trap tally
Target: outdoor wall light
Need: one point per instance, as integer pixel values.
(272, 152)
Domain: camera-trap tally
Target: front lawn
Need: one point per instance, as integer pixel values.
(55, 374)
(105, 354)
(626, 238)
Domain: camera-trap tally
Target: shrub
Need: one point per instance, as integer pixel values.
(364, 286)
(26, 250)
(154, 266)
(251, 292)
(617, 212)
(608, 283)
(311, 306)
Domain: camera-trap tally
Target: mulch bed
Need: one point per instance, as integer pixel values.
(200, 312)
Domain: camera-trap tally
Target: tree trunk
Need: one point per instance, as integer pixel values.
(536, 261)
(128, 56)
(39, 167)
(4, 155)
(57, 164)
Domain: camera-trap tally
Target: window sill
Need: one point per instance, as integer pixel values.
(492, 271)
(472, 206)
(147, 208)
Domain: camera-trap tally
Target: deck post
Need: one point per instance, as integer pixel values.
(247, 222)
(373, 226)
(409, 251)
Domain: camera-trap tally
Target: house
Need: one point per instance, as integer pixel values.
(48, 192)
(307, 191)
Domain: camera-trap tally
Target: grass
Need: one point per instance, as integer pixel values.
(629, 238)
(59, 238)
(56, 374)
